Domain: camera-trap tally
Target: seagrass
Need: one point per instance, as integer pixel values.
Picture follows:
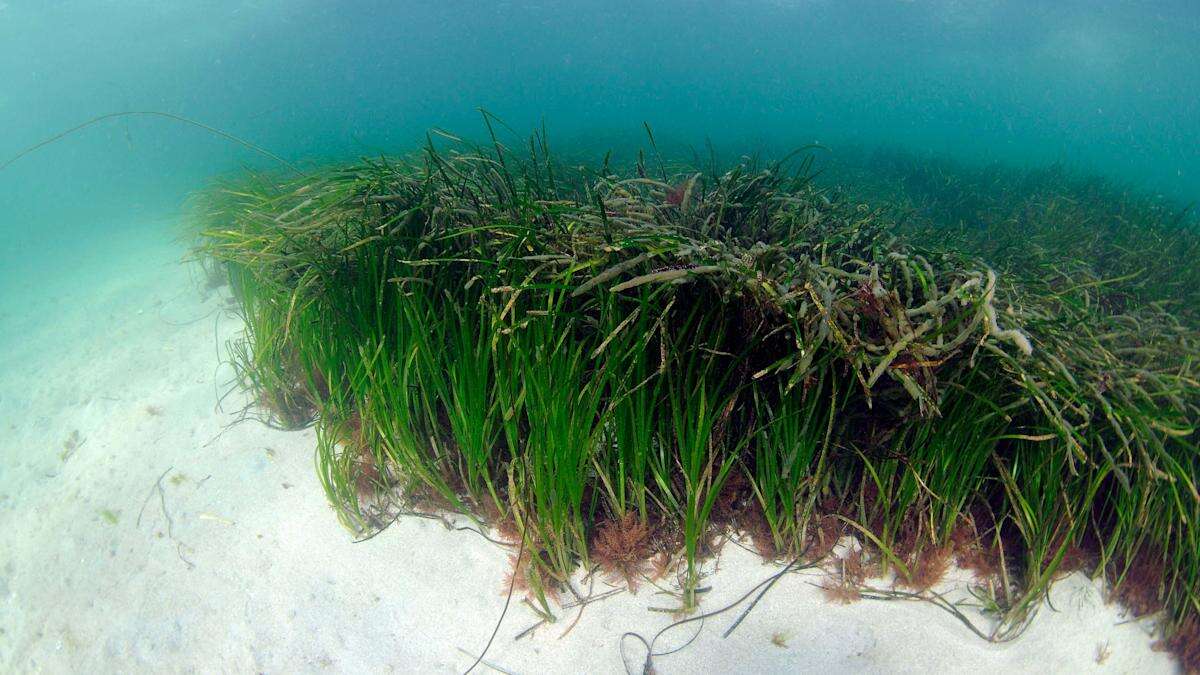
(612, 366)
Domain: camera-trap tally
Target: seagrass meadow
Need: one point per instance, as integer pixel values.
(615, 366)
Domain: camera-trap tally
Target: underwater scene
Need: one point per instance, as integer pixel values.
(600, 337)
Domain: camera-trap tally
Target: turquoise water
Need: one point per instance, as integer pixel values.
(1109, 87)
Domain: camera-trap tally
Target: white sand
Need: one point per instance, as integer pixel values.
(253, 571)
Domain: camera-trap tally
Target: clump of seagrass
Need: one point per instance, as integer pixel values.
(618, 365)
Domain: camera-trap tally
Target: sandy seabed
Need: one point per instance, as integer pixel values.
(109, 379)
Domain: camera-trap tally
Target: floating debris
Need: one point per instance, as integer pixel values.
(69, 446)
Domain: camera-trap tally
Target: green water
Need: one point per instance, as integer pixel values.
(1109, 87)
